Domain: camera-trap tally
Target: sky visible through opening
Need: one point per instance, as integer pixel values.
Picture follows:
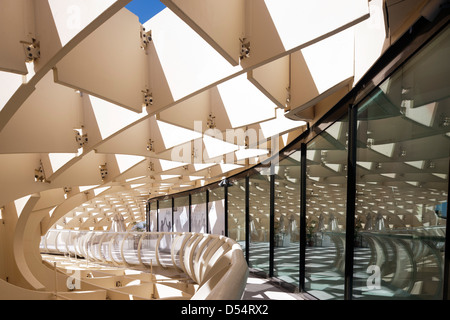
(145, 9)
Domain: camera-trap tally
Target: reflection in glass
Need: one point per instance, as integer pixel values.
(153, 217)
(287, 219)
(165, 223)
(181, 214)
(326, 191)
(216, 211)
(165, 215)
(259, 184)
(198, 212)
(402, 180)
(236, 212)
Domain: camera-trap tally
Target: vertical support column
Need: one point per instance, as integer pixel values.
(446, 288)
(272, 224)
(207, 211)
(351, 194)
(157, 216)
(225, 197)
(147, 216)
(247, 219)
(302, 248)
(173, 220)
(190, 213)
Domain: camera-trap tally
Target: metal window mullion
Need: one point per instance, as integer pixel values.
(173, 220)
(207, 211)
(272, 225)
(157, 216)
(302, 260)
(446, 280)
(351, 195)
(247, 219)
(225, 190)
(190, 213)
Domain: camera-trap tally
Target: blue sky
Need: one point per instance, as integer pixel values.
(145, 9)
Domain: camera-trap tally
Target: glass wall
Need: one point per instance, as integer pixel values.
(181, 214)
(402, 179)
(326, 190)
(198, 212)
(395, 247)
(287, 219)
(216, 210)
(236, 212)
(259, 229)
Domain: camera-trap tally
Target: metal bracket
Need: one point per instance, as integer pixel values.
(39, 174)
(288, 97)
(103, 171)
(32, 50)
(211, 123)
(146, 37)
(148, 97)
(150, 146)
(245, 48)
(81, 139)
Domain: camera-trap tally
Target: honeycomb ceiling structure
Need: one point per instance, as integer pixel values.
(99, 113)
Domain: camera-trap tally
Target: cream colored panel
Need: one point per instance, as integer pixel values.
(16, 25)
(267, 129)
(186, 61)
(80, 171)
(319, 71)
(150, 137)
(9, 83)
(370, 37)
(199, 107)
(17, 176)
(109, 63)
(58, 22)
(273, 79)
(111, 118)
(122, 144)
(72, 16)
(244, 103)
(45, 122)
(220, 23)
(278, 26)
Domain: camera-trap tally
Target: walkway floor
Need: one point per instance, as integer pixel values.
(262, 289)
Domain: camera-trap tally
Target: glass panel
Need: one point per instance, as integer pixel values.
(165, 215)
(181, 214)
(165, 224)
(198, 212)
(236, 212)
(326, 195)
(402, 180)
(287, 219)
(259, 202)
(153, 217)
(216, 211)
